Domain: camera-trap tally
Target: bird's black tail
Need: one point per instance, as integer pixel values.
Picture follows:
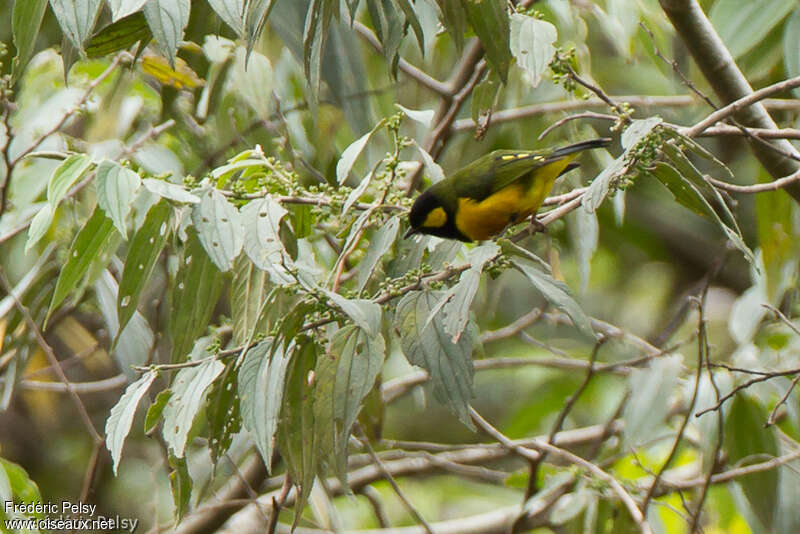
(577, 147)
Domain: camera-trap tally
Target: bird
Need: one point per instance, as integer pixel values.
(496, 190)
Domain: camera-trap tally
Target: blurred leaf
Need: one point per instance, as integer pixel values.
(531, 42)
(422, 116)
(120, 420)
(39, 225)
(388, 26)
(180, 482)
(26, 19)
(119, 35)
(345, 374)
(65, 176)
(345, 163)
(156, 410)
(570, 505)
(175, 192)
(123, 8)
(297, 430)
(778, 238)
(413, 21)
(558, 294)
(90, 243)
(132, 344)
(177, 74)
(315, 32)
(250, 292)
(745, 436)
(648, 406)
(145, 248)
(743, 25)
(788, 515)
(261, 220)
(232, 13)
(219, 228)
(257, 13)
(23, 488)
(489, 19)
(454, 19)
(380, 243)
(116, 186)
(430, 347)
(76, 18)
(791, 50)
(188, 394)
(584, 232)
(435, 172)
(252, 79)
(198, 285)
(222, 414)
(261, 384)
(364, 313)
(748, 311)
(484, 96)
(167, 20)
(598, 189)
(359, 190)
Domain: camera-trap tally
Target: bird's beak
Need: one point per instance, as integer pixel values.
(410, 232)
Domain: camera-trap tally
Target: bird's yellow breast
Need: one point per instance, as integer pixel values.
(482, 219)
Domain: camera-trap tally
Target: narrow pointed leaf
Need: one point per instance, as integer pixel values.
(119, 35)
(232, 13)
(119, 422)
(379, 245)
(348, 159)
(26, 19)
(489, 19)
(250, 290)
(39, 225)
(65, 175)
(257, 13)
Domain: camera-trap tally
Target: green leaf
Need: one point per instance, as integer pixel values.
(570, 505)
(454, 19)
(637, 130)
(170, 191)
(598, 189)
(315, 32)
(261, 220)
(180, 482)
(252, 79)
(413, 21)
(120, 420)
(123, 8)
(422, 116)
(558, 294)
(430, 347)
(489, 19)
(167, 20)
(188, 394)
(76, 18)
(356, 193)
(435, 172)
(261, 383)
(22, 487)
(219, 228)
(532, 43)
(132, 344)
(780, 249)
(222, 414)
(296, 430)
(344, 376)
(26, 19)
(345, 163)
(584, 232)
(743, 25)
(39, 225)
(90, 243)
(791, 51)
(650, 389)
(388, 24)
(484, 96)
(382, 240)
(119, 35)
(116, 186)
(65, 176)
(198, 285)
(364, 313)
(156, 410)
(257, 14)
(746, 436)
(144, 250)
(250, 294)
(232, 13)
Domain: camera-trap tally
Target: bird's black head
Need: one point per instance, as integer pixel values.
(431, 215)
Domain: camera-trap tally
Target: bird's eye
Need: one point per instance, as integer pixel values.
(436, 218)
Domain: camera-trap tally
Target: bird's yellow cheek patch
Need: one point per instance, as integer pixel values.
(436, 218)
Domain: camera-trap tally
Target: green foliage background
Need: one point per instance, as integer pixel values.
(207, 298)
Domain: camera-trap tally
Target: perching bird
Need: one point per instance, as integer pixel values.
(498, 189)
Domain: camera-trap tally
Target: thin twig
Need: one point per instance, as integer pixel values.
(774, 413)
(576, 116)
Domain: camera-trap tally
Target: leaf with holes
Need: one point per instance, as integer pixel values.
(531, 42)
(261, 220)
(144, 250)
(121, 418)
(430, 347)
(219, 228)
(91, 242)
